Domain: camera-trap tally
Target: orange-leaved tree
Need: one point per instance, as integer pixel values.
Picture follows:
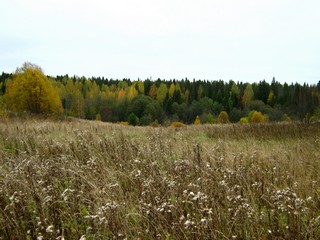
(30, 90)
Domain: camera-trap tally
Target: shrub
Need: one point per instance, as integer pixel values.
(177, 124)
(154, 124)
(244, 120)
(258, 117)
(285, 118)
(316, 115)
(197, 121)
(98, 117)
(210, 118)
(146, 120)
(133, 119)
(3, 111)
(223, 117)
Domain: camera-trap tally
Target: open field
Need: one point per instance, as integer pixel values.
(93, 180)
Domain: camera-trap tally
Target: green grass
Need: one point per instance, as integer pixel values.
(73, 179)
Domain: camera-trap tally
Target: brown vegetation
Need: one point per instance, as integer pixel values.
(73, 179)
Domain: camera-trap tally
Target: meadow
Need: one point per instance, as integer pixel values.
(76, 179)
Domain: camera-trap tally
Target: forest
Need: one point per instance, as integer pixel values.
(154, 102)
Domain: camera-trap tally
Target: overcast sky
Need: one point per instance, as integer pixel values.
(243, 40)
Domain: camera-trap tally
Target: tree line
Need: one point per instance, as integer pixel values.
(157, 101)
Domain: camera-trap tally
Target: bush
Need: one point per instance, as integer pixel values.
(197, 121)
(146, 120)
(3, 111)
(98, 117)
(154, 124)
(258, 117)
(133, 119)
(244, 120)
(223, 117)
(316, 116)
(210, 118)
(235, 115)
(177, 124)
(123, 123)
(285, 118)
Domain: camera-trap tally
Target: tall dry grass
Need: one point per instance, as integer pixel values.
(92, 180)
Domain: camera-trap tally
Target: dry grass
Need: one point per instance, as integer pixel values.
(92, 180)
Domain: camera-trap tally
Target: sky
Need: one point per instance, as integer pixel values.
(245, 41)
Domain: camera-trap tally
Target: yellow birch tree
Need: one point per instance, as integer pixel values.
(30, 90)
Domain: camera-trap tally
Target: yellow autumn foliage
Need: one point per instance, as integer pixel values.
(197, 121)
(30, 90)
(3, 112)
(258, 117)
(223, 117)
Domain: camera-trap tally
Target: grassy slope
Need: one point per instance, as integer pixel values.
(77, 178)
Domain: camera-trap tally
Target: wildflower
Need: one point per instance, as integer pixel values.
(49, 229)
(188, 223)
(203, 221)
